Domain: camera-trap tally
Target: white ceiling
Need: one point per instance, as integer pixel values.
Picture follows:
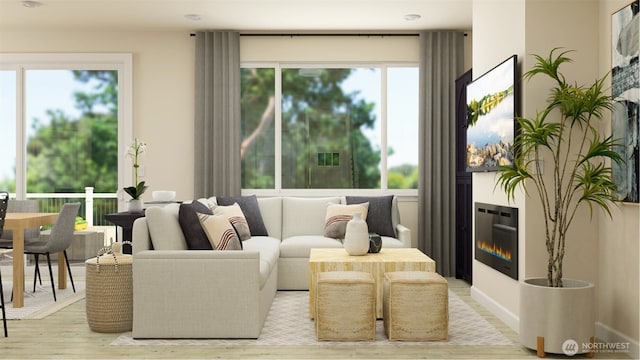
(242, 15)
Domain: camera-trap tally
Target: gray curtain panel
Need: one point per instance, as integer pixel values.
(441, 62)
(217, 114)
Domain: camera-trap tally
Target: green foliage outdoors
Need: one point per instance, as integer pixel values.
(317, 117)
(69, 154)
(564, 134)
(403, 177)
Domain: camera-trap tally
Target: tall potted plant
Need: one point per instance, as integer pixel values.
(565, 135)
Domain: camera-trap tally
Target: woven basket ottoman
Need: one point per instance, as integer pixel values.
(345, 306)
(416, 306)
(109, 291)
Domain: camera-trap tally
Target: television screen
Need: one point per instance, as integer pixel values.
(491, 114)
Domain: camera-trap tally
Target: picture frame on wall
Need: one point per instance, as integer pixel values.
(625, 90)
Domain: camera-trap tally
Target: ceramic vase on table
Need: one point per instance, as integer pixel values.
(136, 205)
(356, 238)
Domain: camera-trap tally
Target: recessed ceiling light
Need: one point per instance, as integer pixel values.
(193, 17)
(31, 4)
(411, 17)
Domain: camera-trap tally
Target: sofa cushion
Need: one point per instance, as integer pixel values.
(220, 232)
(380, 213)
(191, 228)
(251, 210)
(236, 217)
(164, 228)
(269, 249)
(271, 210)
(337, 217)
(304, 216)
(300, 246)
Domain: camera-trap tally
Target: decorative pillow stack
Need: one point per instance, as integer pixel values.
(220, 223)
(338, 216)
(250, 209)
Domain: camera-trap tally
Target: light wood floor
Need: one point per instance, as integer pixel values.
(66, 335)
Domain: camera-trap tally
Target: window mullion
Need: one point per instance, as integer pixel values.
(383, 128)
(278, 128)
(21, 139)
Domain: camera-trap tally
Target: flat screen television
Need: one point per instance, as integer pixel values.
(491, 117)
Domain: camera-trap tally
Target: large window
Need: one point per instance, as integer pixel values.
(64, 119)
(338, 127)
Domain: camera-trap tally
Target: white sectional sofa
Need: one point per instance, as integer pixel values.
(182, 293)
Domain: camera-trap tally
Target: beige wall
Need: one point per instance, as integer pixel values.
(499, 26)
(618, 249)
(599, 250)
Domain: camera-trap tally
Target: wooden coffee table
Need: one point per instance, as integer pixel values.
(387, 260)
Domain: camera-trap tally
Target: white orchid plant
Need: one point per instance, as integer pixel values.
(134, 151)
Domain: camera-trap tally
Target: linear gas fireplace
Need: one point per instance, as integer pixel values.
(497, 237)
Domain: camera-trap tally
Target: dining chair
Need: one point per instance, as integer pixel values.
(4, 199)
(59, 240)
(4, 315)
(30, 235)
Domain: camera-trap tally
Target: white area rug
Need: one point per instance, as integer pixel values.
(288, 323)
(40, 304)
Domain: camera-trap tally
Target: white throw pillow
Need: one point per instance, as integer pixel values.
(164, 228)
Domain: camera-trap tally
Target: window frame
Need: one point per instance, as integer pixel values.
(278, 190)
(121, 62)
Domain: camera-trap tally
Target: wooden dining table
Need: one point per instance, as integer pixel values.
(18, 223)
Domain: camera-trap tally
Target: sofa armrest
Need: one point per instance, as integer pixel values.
(140, 236)
(404, 235)
(195, 294)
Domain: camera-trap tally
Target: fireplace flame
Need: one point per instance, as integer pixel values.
(495, 250)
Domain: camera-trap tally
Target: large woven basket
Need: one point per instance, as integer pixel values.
(109, 292)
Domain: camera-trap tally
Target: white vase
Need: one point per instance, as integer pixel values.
(136, 205)
(562, 316)
(356, 237)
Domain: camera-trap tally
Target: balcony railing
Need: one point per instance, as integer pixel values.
(93, 206)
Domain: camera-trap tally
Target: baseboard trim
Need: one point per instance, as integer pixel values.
(496, 309)
(611, 336)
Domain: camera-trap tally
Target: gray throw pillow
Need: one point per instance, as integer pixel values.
(379, 217)
(250, 209)
(191, 228)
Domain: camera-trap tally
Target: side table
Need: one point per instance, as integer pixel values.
(125, 221)
(109, 292)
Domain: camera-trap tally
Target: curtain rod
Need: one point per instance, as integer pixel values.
(322, 34)
(329, 34)
(325, 34)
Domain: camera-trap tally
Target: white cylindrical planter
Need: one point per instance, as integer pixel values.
(356, 237)
(564, 317)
